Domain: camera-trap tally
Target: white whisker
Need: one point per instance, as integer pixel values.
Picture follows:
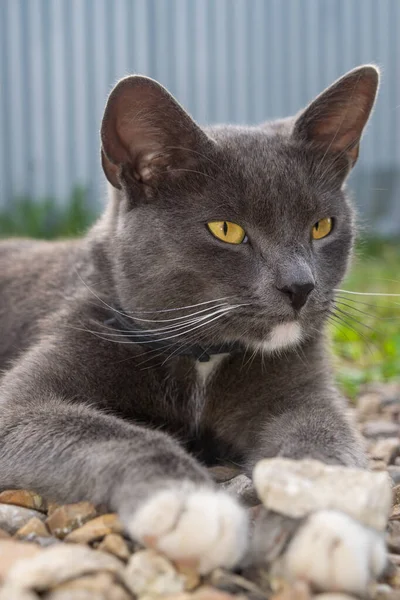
(368, 293)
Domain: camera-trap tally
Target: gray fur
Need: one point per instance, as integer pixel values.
(85, 417)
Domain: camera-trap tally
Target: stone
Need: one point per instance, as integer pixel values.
(333, 596)
(12, 551)
(394, 472)
(395, 515)
(100, 586)
(43, 541)
(23, 498)
(368, 406)
(299, 590)
(33, 528)
(386, 450)
(13, 517)
(242, 487)
(191, 576)
(298, 488)
(4, 534)
(65, 519)
(384, 429)
(11, 592)
(115, 544)
(223, 473)
(206, 592)
(235, 584)
(57, 564)
(393, 540)
(52, 506)
(96, 529)
(150, 574)
(394, 558)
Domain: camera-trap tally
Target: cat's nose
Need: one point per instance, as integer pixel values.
(297, 293)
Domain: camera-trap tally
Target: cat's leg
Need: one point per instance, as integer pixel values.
(71, 452)
(317, 427)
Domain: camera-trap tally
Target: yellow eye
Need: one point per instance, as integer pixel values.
(227, 231)
(322, 228)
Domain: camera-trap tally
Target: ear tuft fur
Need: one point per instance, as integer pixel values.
(335, 120)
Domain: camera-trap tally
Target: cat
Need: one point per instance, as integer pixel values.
(187, 328)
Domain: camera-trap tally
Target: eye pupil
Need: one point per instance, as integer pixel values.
(316, 226)
(225, 227)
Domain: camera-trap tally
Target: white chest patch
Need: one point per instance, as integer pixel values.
(283, 336)
(204, 371)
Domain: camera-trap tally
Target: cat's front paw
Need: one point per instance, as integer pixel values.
(333, 552)
(194, 524)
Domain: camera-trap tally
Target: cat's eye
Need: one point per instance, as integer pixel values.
(322, 228)
(227, 232)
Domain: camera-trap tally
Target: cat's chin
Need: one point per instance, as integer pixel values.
(281, 336)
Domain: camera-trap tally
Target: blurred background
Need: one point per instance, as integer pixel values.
(239, 61)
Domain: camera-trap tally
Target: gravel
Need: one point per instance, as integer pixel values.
(76, 551)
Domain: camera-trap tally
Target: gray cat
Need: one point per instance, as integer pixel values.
(187, 327)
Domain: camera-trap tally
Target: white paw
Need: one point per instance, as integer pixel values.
(193, 524)
(333, 552)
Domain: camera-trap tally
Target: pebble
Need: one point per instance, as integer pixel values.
(55, 565)
(96, 529)
(4, 534)
(14, 517)
(385, 450)
(12, 551)
(231, 582)
(393, 540)
(65, 519)
(384, 429)
(150, 574)
(206, 592)
(101, 586)
(34, 527)
(115, 544)
(368, 406)
(242, 487)
(222, 473)
(299, 590)
(23, 498)
(11, 592)
(333, 596)
(298, 488)
(394, 472)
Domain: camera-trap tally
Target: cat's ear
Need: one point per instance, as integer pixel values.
(145, 130)
(336, 118)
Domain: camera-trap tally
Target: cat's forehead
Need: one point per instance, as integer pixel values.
(266, 167)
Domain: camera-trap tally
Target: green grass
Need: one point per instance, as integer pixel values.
(366, 351)
(47, 219)
(369, 350)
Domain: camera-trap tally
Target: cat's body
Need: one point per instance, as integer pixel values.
(87, 413)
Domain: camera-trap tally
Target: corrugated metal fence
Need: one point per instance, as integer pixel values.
(226, 60)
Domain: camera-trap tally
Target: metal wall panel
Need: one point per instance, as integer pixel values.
(241, 61)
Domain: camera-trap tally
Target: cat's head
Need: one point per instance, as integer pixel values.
(249, 228)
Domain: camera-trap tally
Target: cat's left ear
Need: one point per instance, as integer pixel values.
(335, 120)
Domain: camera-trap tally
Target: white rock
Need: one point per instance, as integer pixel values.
(299, 488)
(10, 592)
(57, 564)
(150, 574)
(333, 596)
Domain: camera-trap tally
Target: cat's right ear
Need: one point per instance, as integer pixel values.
(146, 133)
(335, 120)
